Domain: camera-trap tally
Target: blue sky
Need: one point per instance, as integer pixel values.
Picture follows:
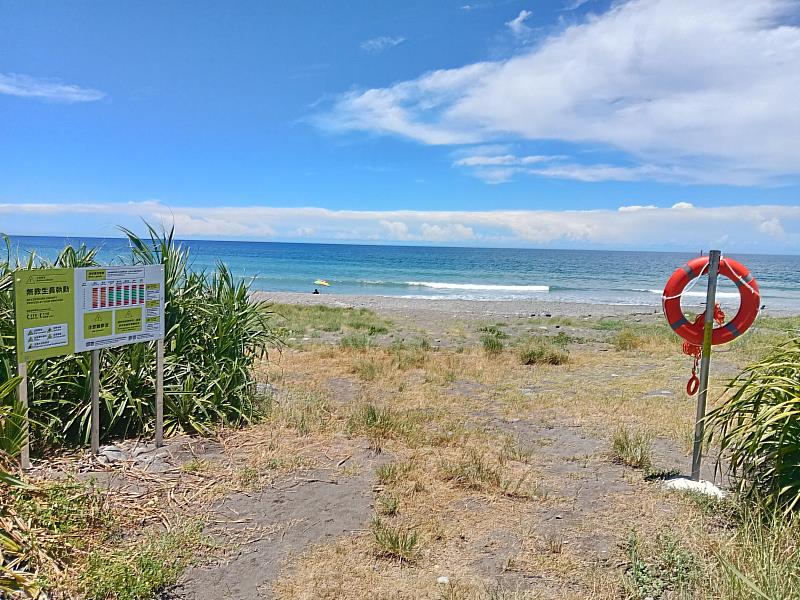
(483, 123)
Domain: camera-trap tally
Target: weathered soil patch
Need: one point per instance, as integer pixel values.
(267, 528)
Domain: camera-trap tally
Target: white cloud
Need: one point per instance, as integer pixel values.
(764, 228)
(379, 44)
(395, 230)
(635, 207)
(699, 92)
(500, 168)
(13, 84)
(772, 227)
(517, 24)
(450, 232)
(503, 159)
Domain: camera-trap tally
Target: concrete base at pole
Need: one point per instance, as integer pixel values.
(702, 486)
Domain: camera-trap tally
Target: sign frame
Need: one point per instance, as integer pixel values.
(59, 312)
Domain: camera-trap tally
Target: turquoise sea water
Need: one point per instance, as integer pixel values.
(464, 273)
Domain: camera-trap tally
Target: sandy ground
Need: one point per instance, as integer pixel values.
(295, 495)
(462, 309)
(327, 510)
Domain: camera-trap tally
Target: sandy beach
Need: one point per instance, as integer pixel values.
(427, 311)
(462, 308)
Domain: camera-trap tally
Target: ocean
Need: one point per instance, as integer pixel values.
(592, 276)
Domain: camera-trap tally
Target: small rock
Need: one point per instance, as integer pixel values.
(112, 453)
(443, 580)
(265, 389)
(142, 450)
(543, 328)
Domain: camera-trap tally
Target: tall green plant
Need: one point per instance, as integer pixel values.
(758, 429)
(15, 579)
(214, 334)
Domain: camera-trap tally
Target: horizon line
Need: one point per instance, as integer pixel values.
(364, 243)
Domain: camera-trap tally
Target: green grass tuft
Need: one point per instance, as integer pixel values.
(356, 341)
(394, 542)
(138, 570)
(661, 569)
(542, 352)
(491, 344)
(632, 448)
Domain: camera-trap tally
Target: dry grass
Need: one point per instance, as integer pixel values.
(462, 490)
(457, 483)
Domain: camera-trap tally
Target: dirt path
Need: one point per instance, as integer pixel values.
(269, 527)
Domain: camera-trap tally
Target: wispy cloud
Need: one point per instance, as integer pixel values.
(708, 88)
(500, 167)
(681, 226)
(575, 5)
(517, 24)
(379, 44)
(25, 86)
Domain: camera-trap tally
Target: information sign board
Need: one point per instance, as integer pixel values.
(44, 312)
(116, 306)
(62, 311)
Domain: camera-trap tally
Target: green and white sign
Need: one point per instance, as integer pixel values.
(45, 313)
(62, 311)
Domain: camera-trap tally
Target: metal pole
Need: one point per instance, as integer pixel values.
(22, 397)
(705, 360)
(159, 393)
(95, 401)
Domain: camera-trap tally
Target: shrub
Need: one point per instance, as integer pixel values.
(758, 429)
(491, 344)
(214, 334)
(541, 352)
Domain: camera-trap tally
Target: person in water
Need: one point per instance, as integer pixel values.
(316, 291)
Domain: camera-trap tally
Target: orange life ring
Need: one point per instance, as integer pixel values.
(750, 301)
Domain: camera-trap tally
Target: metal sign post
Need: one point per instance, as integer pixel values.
(22, 396)
(95, 401)
(159, 393)
(705, 360)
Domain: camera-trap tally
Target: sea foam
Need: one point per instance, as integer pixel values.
(439, 285)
